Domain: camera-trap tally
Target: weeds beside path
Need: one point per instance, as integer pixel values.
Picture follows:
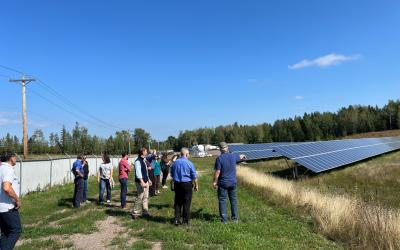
(50, 223)
(342, 218)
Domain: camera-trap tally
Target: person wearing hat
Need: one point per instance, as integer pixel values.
(225, 181)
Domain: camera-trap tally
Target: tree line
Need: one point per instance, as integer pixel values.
(314, 126)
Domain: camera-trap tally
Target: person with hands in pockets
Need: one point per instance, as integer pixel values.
(142, 182)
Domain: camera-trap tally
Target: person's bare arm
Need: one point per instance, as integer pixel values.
(216, 175)
(7, 187)
(79, 173)
(196, 185)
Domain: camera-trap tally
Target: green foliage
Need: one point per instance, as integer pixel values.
(309, 127)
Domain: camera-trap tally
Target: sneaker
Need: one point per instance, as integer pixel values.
(164, 187)
(134, 216)
(177, 222)
(108, 201)
(124, 208)
(88, 201)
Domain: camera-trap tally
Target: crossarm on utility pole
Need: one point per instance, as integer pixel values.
(24, 81)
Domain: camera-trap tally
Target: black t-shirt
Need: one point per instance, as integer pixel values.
(86, 171)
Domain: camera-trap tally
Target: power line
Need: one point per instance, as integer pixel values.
(11, 69)
(66, 110)
(69, 103)
(66, 101)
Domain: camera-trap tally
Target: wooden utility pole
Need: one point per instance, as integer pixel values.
(24, 81)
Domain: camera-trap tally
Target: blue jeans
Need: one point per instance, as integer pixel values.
(78, 191)
(104, 183)
(10, 226)
(85, 189)
(124, 190)
(225, 191)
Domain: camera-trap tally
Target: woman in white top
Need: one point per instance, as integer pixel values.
(104, 177)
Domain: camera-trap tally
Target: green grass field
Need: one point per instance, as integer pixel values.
(49, 222)
(376, 180)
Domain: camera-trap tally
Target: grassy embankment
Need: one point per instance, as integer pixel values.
(49, 222)
(357, 204)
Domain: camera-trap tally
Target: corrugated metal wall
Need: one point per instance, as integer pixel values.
(39, 175)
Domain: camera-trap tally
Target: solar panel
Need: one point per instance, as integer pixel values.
(256, 151)
(325, 155)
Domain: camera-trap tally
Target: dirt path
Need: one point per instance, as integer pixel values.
(108, 229)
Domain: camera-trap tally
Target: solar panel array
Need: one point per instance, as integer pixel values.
(257, 151)
(325, 155)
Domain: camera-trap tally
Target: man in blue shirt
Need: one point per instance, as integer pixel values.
(225, 181)
(184, 177)
(78, 171)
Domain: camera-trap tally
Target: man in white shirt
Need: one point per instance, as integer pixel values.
(10, 223)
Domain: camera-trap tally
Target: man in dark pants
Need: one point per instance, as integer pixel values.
(184, 177)
(225, 181)
(77, 170)
(165, 170)
(149, 159)
(10, 224)
(85, 180)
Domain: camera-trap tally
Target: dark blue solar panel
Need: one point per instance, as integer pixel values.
(325, 155)
(257, 151)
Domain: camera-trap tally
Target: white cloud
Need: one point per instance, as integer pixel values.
(7, 121)
(11, 118)
(299, 97)
(325, 61)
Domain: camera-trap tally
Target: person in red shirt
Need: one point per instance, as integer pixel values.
(124, 169)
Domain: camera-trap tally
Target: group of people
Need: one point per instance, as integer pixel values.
(147, 168)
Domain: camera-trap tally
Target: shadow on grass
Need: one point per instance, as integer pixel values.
(118, 212)
(159, 206)
(200, 215)
(65, 202)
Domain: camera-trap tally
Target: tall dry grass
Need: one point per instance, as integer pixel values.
(341, 218)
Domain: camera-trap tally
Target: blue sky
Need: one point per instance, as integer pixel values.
(167, 66)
